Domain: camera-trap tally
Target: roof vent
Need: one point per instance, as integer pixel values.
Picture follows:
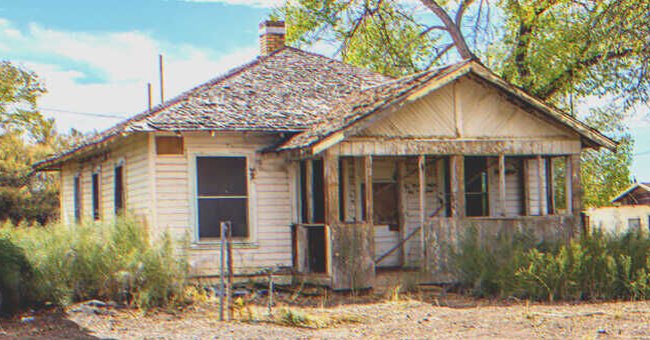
(271, 36)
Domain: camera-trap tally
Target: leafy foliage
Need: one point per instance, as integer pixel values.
(111, 260)
(597, 266)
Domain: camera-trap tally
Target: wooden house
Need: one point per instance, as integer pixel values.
(333, 170)
(629, 212)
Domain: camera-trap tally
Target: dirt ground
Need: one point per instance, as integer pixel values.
(426, 314)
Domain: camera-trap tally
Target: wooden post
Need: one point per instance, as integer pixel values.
(309, 189)
(331, 167)
(540, 185)
(576, 198)
(403, 208)
(230, 270)
(502, 184)
(568, 188)
(422, 186)
(344, 182)
(368, 180)
(526, 176)
(358, 204)
(457, 183)
(550, 184)
(222, 281)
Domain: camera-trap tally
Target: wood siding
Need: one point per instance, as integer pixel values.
(133, 151)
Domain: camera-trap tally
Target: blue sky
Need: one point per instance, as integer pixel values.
(97, 56)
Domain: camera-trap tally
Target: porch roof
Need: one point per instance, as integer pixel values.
(365, 106)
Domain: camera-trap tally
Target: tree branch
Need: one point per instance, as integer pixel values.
(452, 28)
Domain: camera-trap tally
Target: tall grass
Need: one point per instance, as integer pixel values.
(112, 260)
(593, 267)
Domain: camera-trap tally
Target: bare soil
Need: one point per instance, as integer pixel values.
(427, 314)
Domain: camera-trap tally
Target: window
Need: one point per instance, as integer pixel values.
(476, 186)
(77, 198)
(222, 189)
(95, 195)
(385, 207)
(118, 198)
(634, 224)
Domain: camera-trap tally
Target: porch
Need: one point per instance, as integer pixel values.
(360, 212)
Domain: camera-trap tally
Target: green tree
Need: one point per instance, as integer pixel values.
(567, 52)
(25, 137)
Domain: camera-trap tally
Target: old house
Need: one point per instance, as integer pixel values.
(332, 170)
(629, 211)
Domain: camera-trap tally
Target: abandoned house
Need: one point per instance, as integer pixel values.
(331, 170)
(629, 212)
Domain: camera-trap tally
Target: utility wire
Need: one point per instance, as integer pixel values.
(89, 114)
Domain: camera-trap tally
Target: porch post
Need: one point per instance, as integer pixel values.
(402, 204)
(540, 185)
(331, 167)
(309, 190)
(568, 188)
(457, 183)
(576, 202)
(502, 185)
(367, 162)
(422, 187)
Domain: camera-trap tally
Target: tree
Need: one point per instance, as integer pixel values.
(25, 137)
(567, 52)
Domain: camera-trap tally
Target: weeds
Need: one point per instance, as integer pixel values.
(111, 260)
(596, 266)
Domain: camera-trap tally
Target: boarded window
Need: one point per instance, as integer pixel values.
(118, 199)
(476, 186)
(77, 198)
(222, 189)
(95, 195)
(169, 145)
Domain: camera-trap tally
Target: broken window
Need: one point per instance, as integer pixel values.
(634, 224)
(118, 197)
(77, 198)
(317, 198)
(222, 189)
(385, 207)
(95, 195)
(476, 186)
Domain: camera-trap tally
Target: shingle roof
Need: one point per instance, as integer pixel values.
(286, 91)
(340, 121)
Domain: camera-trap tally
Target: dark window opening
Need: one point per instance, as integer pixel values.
(316, 249)
(95, 196)
(77, 199)
(476, 186)
(634, 224)
(169, 145)
(550, 185)
(447, 185)
(118, 199)
(318, 191)
(222, 189)
(385, 204)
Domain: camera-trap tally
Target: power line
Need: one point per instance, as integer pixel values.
(89, 114)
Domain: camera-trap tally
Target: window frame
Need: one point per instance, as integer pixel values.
(251, 240)
(96, 172)
(77, 198)
(120, 163)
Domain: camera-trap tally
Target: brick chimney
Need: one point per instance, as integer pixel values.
(271, 36)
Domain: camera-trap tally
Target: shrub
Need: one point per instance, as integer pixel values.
(15, 277)
(111, 260)
(596, 266)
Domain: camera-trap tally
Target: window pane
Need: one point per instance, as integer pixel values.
(119, 189)
(95, 182)
(221, 176)
(214, 211)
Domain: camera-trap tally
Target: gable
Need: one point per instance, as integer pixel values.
(466, 108)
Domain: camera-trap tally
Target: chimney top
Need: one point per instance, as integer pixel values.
(272, 35)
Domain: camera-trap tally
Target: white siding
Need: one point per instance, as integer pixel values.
(134, 152)
(270, 200)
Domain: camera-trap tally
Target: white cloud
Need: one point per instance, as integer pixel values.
(108, 72)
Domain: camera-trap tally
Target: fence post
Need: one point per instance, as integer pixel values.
(222, 226)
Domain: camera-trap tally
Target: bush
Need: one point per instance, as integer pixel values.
(594, 267)
(15, 277)
(111, 260)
